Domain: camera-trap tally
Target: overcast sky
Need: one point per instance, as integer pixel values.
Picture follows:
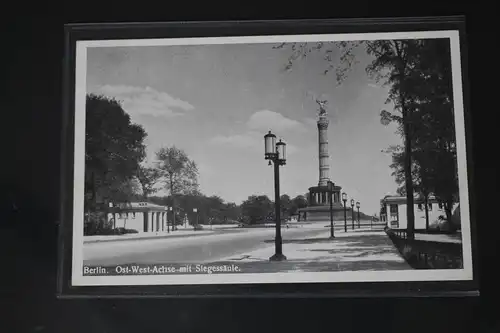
(217, 102)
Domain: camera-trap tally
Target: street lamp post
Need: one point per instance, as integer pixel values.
(352, 212)
(357, 206)
(173, 217)
(330, 190)
(276, 153)
(195, 210)
(344, 199)
(166, 219)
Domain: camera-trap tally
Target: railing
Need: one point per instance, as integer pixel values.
(403, 234)
(425, 254)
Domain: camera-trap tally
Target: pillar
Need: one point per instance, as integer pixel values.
(145, 221)
(324, 167)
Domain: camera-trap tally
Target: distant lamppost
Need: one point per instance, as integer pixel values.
(352, 212)
(173, 218)
(357, 206)
(195, 210)
(344, 199)
(276, 153)
(331, 186)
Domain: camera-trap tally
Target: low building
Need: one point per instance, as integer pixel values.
(393, 211)
(140, 216)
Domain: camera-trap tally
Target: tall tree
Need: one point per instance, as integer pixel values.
(179, 172)
(435, 96)
(113, 151)
(432, 121)
(395, 65)
(148, 178)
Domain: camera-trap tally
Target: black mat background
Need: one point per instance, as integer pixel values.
(31, 50)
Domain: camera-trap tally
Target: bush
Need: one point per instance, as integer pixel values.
(123, 231)
(441, 226)
(97, 224)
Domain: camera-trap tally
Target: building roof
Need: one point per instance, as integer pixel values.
(138, 207)
(402, 199)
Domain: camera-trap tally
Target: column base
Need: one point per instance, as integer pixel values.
(278, 257)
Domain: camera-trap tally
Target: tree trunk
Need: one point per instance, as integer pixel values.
(94, 192)
(410, 211)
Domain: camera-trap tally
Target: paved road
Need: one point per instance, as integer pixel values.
(199, 249)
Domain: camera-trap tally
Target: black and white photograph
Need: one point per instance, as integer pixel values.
(280, 159)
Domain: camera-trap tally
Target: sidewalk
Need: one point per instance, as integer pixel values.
(441, 238)
(351, 251)
(147, 235)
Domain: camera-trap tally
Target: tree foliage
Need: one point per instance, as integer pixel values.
(298, 202)
(286, 205)
(178, 171)
(256, 208)
(339, 56)
(180, 174)
(113, 151)
(148, 178)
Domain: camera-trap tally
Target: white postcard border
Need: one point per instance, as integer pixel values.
(77, 278)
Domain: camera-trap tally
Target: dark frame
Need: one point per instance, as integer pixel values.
(77, 32)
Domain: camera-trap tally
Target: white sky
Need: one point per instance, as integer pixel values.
(217, 102)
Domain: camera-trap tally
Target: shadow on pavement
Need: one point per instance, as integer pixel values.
(366, 240)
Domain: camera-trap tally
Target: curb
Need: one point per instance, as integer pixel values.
(143, 238)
